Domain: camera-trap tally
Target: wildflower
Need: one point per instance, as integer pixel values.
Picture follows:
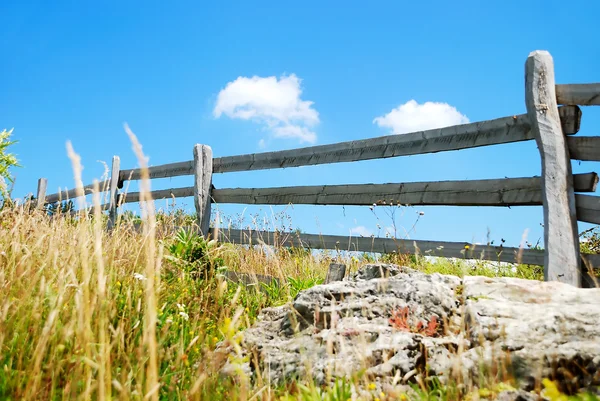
(169, 320)
(467, 246)
(372, 386)
(181, 307)
(184, 315)
(118, 284)
(382, 395)
(139, 276)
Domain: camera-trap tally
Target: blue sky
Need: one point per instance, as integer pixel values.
(299, 73)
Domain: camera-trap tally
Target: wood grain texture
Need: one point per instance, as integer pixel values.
(41, 193)
(162, 171)
(498, 131)
(561, 240)
(203, 169)
(336, 272)
(586, 148)
(158, 194)
(570, 119)
(113, 187)
(578, 94)
(588, 208)
(493, 192)
(72, 193)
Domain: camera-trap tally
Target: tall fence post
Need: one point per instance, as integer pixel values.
(203, 168)
(41, 193)
(113, 186)
(561, 241)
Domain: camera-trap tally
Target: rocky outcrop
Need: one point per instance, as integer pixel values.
(395, 325)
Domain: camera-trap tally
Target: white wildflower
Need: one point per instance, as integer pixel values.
(184, 315)
(139, 276)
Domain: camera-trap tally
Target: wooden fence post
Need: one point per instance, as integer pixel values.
(561, 240)
(41, 193)
(113, 186)
(203, 168)
(336, 272)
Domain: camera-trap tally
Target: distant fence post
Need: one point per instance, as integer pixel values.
(41, 193)
(203, 168)
(561, 241)
(113, 186)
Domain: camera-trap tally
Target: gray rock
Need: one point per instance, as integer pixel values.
(533, 329)
(517, 395)
(379, 270)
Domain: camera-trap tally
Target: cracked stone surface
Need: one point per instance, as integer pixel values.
(533, 329)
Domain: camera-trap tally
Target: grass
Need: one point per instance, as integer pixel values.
(76, 309)
(137, 314)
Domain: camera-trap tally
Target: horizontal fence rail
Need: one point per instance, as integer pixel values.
(578, 94)
(162, 171)
(585, 148)
(485, 133)
(492, 192)
(73, 193)
(588, 208)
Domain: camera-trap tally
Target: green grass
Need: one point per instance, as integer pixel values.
(75, 310)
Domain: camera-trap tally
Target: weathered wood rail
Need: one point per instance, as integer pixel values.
(553, 117)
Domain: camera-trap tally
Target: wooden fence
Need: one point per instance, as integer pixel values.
(557, 189)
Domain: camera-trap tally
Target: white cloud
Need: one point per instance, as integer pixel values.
(361, 230)
(273, 102)
(412, 117)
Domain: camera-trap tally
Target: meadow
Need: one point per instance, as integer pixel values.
(137, 314)
(143, 311)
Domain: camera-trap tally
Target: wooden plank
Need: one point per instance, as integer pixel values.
(588, 208)
(162, 171)
(586, 182)
(570, 119)
(492, 192)
(336, 272)
(113, 187)
(41, 193)
(590, 266)
(585, 148)
(158, 194)
(578, 94)
(561, 241)
(203, 169)
(461, 250)
(485, 133)
(72, 193)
